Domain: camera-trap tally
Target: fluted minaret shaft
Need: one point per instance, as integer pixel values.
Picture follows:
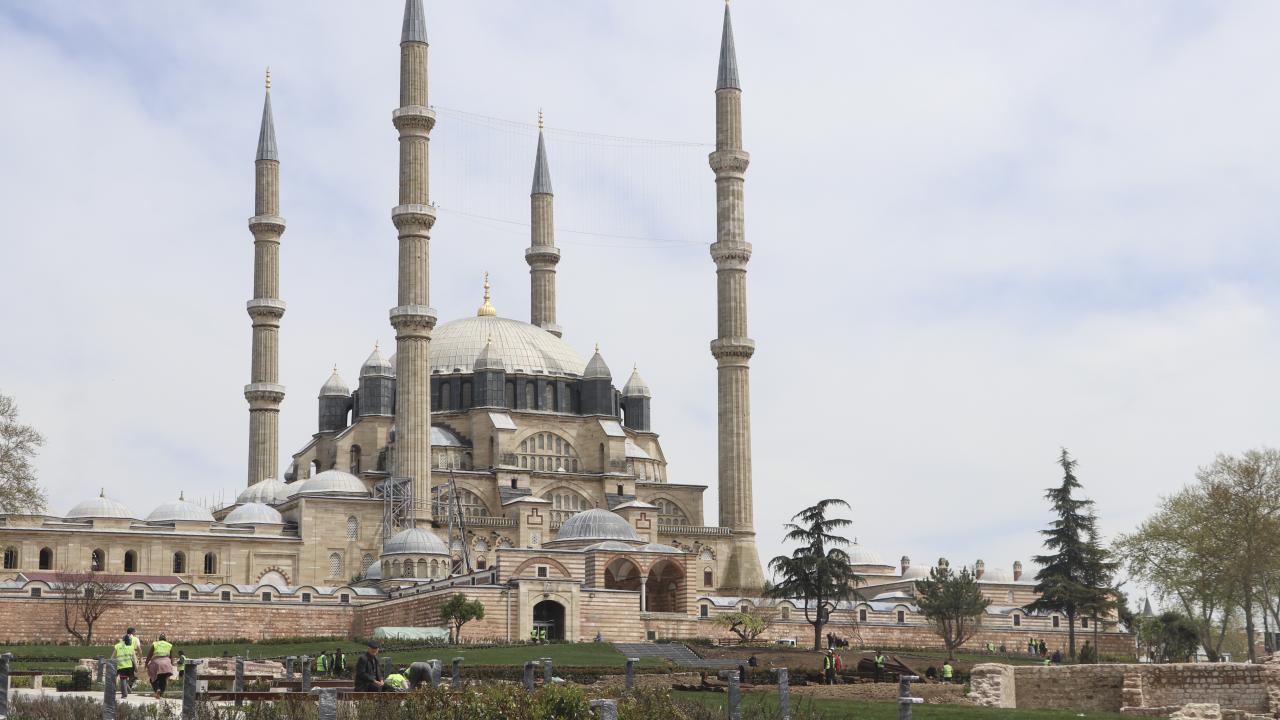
(264, 391)
(732, 348)
(413, 318)
(542, 254)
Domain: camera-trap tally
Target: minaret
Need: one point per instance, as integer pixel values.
(542, 254)
(413, 318)
(264, 392)
(732, 348)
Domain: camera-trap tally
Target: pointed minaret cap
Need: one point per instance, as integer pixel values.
(636, 386)
(335, 386)
(541, 170)
(489, 358)
(415, 23)
(1146, 608)
(486, 309)
(596, 367)
(728, 76)
(267, 135)
(376, 364)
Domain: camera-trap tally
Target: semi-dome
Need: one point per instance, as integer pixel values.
(254, 513)
(414, 541)
(610, 545)
(596, 524)
(99, 507)
(180, 509)
(270, 492)
(332, 482)
(521, 347)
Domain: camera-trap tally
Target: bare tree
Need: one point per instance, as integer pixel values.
(748, 623)
(19, 491)
(87, 596)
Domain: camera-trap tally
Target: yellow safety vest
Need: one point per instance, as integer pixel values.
(322, 663)
(396, 680)
(946, 671)
(880, 661)
(161, 648)
(124, 656)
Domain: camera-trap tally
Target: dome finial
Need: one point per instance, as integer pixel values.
(541, 124)
(486, 310)
(102, 492)
(268, 78)
(182, 496)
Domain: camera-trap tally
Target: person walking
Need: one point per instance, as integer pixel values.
(880, 661)
(339, 663)
(322, 663)
(368, 674)
(829, 667)
(948, 672)
(124, 657)
(160, 665)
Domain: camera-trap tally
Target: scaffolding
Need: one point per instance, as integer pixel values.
(397, 505)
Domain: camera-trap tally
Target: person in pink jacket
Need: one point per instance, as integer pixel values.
(160, 664)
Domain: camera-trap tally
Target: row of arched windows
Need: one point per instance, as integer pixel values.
(130, 563)
(547, 452)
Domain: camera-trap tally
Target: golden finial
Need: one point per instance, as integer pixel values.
(268, 78)
(597, 348)
(486, 310)
(541, 124)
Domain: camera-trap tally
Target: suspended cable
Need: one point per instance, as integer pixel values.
(652, 242)
(579, 136)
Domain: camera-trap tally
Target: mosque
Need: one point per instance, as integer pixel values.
(483, 455)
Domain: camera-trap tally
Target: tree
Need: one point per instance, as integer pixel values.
(459, 611)
(19, 491)
(748, 623)
(1100, 597)
(1064, 581)
(818, 572)
(87, 596)
(1169, 637)
(953, 603)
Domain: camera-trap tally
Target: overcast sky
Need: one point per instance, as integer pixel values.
(983, 231)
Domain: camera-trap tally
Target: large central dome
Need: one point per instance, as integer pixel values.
(522, 347)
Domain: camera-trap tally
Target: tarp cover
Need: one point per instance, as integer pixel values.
(419, 634)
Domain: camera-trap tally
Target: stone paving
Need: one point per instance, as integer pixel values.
(677, 653)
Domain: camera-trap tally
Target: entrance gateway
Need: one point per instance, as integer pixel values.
(549, 614)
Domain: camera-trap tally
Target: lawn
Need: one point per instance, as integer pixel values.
(882, 710)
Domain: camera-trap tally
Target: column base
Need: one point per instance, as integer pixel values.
(744, 574)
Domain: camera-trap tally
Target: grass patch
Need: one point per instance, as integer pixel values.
(883, 710)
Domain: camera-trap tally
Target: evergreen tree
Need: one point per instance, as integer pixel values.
(1063, 581)
(953, 603)
(818, 572)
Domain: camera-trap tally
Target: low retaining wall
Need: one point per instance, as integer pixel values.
(1140, 690)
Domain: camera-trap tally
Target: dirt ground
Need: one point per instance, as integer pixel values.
(801, 659)
(933, 693)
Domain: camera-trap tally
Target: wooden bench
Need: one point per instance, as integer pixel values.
(37, 677)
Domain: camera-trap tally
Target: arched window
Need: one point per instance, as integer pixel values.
(466, 395)
(210, 564)
(335, 565)
(11, 558)
(435, 568)
(547, 452)
(707, 577)
(510, 395)
(669, 513)
(355, 460)
(366, 562)
(46, 559)
(480, 563)
(567, 503)
(444, 396)
(353, 527)
(422, 567)
(97, 561)
(549, 397)
(395, 569)
(528, 396)
(131, 561)
(179, 563)
(471, 504)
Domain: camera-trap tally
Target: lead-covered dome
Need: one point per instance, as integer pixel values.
(332, 482)
(180, 509)
(414, 541)
(100, 507)
(270, 492)
(254, 514)
(596, 524)
(521, 347)
(861, 555)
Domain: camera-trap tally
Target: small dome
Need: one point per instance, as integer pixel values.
(859, 555)
(596, 524)
(596, 367)
(334, 386)
(996, 575)
(636, 386)
(916, 572)
(414, 541)
(100, 507)
(270, 492)
(376, 364)
(254, 513)
(610, 545)
(444, 437)
(332, 482)
(660, 548)
(180, 510)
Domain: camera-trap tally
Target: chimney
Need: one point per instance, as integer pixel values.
(906, 563)
(978, 569)
(1017, 570)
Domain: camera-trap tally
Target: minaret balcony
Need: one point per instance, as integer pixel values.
(413, 216)
(729, 163)
(414, 117)
(266, 223)
(542, 254)
(264, 395)
(265, 309)
(730, 349)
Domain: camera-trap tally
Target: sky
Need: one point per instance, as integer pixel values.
(982, 232)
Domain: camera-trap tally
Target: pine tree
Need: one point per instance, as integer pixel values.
(818, 572)
(1063, 581)
(954, 603)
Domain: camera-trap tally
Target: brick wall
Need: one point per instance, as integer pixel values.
(424, 611)
(39, 620)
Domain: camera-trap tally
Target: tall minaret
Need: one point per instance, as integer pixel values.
(413, 318)
(732, 348)
(264, 392)
(542, 254)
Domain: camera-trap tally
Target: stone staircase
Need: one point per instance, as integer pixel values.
(678, 653)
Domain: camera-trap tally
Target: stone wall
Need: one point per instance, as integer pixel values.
(1141, 690)
(40, 620)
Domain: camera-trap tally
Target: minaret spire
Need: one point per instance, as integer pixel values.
(413, 318)
(732, 348)
(542, 255)
(264, 392)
